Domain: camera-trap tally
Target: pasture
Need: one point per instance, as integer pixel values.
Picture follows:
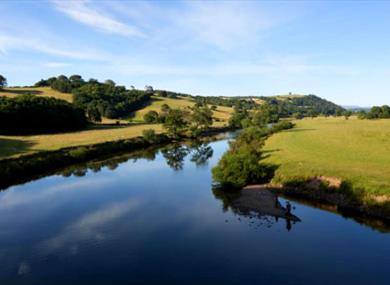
(19, 145)
(357, 151)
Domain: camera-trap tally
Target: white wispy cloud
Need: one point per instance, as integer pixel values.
(8, 42)
(81, 11)
(225, 24)
(90, 225)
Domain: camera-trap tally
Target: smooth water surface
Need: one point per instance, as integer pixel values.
(156, 220)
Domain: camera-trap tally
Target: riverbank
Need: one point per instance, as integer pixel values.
(343, 162)
(17, 170)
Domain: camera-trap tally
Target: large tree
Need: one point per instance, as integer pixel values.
(3, 82)
(175, 122)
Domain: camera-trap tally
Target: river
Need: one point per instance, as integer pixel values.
(153, 217)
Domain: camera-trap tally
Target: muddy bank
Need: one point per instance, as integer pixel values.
(334, 195)
(257, 205)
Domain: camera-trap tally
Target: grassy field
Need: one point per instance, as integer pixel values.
(39, 91)
(222, 113)
(19, 145)
(357, 151)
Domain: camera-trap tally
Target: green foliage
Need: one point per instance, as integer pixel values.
(239, 115)
(93, 113)
(112, 101)
(149, 135)
(28, 114)
(201, 118)
(378, 112)
(306, 106)
(280, 126)
(151, 117)
(242, 165)
(175, 122)
(3, 82)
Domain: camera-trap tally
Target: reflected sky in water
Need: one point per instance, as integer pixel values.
(145, 221)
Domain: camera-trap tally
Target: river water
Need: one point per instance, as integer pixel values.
(154, 218)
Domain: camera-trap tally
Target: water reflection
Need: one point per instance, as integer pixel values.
(200, 152)
(257, 206)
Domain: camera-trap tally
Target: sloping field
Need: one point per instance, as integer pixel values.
(39, 91)
(18, 145)
(354, 150)
(222, 113)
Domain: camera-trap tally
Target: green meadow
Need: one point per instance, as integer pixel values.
(356, 151)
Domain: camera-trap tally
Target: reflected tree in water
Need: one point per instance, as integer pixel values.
(201, 153)
(174, 156)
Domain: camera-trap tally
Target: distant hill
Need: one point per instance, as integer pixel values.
(286, 105)
(304, 105)
(356, 108)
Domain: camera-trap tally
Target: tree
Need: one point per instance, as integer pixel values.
(93, 113)
(151, 117)
(175, 122)
(201, 118)
(238, 116)
(3, 82)
(149, 89)
(109, 82)
(76, 81)
(165, 108)
(149, 135)
(28, 114)
(62, 84)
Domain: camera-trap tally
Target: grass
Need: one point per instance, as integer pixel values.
(222, 113)
(39, 91)
(357, 151)
(12, 146)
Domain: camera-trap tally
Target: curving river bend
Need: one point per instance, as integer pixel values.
(153, 217)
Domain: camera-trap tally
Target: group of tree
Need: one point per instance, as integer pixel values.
(100, 99)
(243, 163)
(62, 83)
(3, 82)
(108, 100)
(178, 122)
(376, 112)
(29, 114)
(303, 106)
(260, 116)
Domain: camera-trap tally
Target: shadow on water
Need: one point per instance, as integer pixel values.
(377, 224)
(10, 147)
(261, 206)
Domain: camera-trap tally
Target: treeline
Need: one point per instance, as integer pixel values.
(29, 114)
(376, 112)
(100, 99)
(108, 100)
(243, 102)
(304, 106)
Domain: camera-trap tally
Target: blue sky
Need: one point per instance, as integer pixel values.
(336, 50)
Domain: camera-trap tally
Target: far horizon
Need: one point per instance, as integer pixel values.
(205, 48)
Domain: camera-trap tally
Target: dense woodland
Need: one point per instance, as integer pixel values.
(99, 99)
(29, 114)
